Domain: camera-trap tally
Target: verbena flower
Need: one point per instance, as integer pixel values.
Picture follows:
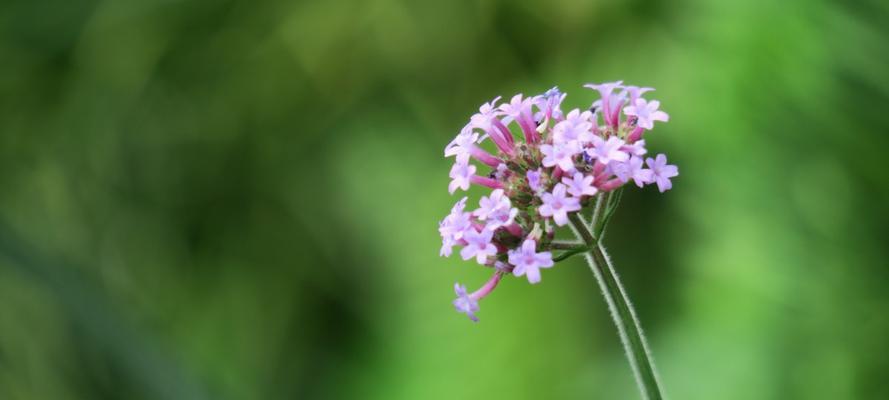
(607, 151)
(464, 303)
(646, 113)
(478, 245)
(558, 204)
(580, 185)
(528, 261)
(661, 172)
(550, 168)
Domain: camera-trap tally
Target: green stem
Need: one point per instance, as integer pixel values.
(566, 245)
(597, 209)
(621, 311)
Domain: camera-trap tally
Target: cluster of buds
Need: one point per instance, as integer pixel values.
(565, 160)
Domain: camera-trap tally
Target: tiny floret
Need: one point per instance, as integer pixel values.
(478, 245)
(528, 261)
(461, 173)
(496, 209)
(557, 205)
(607, 151)
(559, 155)
(580, 185)
(661, 172)
(646, 113)
(464, 303)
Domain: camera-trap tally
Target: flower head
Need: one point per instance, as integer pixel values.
(566, 158)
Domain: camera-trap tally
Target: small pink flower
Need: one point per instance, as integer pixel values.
(461, 174)
(464, 303)
(533, 177)
(661, 172)
(557, 204)
(478, 245)
(561, 155)
(580, 185)
(636, 149)
(646, 113)
(575, 128)
(632, 169)
(607, 151)
(496, 209)
(549, 104)
(528, 261)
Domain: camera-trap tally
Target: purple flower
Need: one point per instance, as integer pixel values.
(528, 261)
(604, 89)
(452, 227)
(607, 102)
(661, 172)
(575, 127)
(486, 112)
(561, 155)
(517, 106)
(457, 222)
(636, 149)
(646, 113)
(519, 109)
(549, 104)
(580, 185)
(447, 246)
(565, 157)
(557, 205)
(464, 303)
(637, 92)
(496, 209)
(632, 169)
(501, 172)
(487, 120)
(533, 176)
(478, 245)
(462, 145)
(607, 151)
(461, 174)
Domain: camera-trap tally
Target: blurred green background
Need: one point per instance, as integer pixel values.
(239, 200)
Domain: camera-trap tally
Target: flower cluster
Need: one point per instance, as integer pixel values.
(561, 162)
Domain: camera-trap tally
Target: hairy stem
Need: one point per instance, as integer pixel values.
(621, 311)
(566, 245)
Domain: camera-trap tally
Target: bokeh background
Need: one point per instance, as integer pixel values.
(239, 200)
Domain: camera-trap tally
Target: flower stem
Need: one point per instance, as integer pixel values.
(621, 311)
